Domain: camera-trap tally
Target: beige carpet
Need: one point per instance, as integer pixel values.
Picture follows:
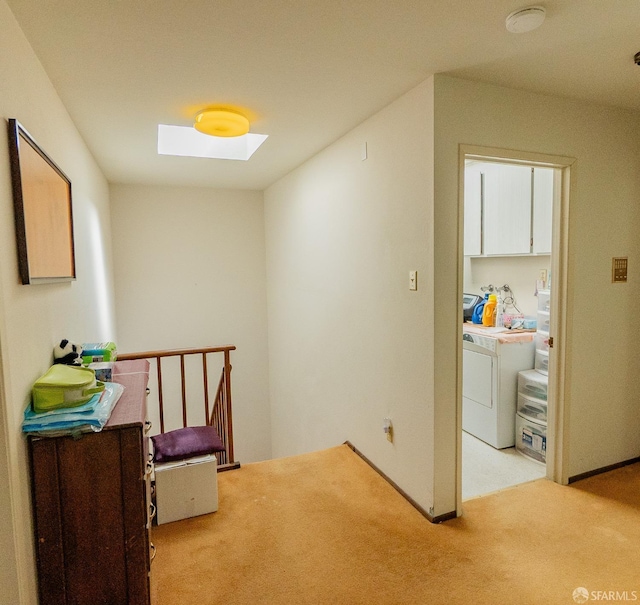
(324, 528)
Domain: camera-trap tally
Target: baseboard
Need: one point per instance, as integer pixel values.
(228, 467)
(604, 469)
(407, 497)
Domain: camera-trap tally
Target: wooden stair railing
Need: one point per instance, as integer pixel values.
(219, 414)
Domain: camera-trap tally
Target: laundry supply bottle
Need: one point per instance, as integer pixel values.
(499, 322)
(489, 312)
(476, 317)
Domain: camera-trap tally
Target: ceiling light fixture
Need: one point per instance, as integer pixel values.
(221, 123)
(525, 19)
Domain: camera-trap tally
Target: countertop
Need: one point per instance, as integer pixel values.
(503, 335)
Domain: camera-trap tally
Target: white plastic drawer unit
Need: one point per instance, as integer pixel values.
(544, 300)
(533, 384)
(531, 438)
(541, 363)
(544, 321)
(542, 341)
(532, 408)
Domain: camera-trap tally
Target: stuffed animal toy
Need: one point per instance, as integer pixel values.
(67, 353)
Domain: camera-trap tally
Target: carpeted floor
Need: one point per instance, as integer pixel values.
(324, 528)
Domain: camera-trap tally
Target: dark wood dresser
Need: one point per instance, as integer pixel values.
(91, 505)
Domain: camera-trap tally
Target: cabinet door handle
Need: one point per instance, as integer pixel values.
(153, 551)
(147, 426)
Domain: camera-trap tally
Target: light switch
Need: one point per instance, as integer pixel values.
(413, 280)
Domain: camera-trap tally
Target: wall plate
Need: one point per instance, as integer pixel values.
(619, 267)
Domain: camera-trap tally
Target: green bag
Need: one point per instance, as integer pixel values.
(64, 387)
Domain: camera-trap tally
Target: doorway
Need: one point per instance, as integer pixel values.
(513, 246)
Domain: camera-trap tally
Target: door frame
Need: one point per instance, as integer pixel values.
(564, 187)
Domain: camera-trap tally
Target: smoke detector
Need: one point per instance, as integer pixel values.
(525, 19)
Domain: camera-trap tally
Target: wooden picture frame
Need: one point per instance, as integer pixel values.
(43, 211)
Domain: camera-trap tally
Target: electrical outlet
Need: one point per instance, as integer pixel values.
(387, 427)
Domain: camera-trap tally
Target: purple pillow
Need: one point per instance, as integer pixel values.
(189, 442)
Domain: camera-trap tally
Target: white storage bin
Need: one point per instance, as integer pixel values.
(533, 384)
(531, 438)
(544, 321)
(542, 341)
(186, 489)
(532, 408)
(544, 298)
(541, 363)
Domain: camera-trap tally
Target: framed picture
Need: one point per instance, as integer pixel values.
(43, 211)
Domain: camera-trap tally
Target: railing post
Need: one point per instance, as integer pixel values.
(160, 400)
(184, 392)
(227, 386)
(205, 378)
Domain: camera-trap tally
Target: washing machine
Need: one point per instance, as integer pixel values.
(490, 366)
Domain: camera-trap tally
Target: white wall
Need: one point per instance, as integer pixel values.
(33, 318)
(518, 272)
(603, 353)
(190, 272)
(349, 343)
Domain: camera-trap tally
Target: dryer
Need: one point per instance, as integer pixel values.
(490, 366)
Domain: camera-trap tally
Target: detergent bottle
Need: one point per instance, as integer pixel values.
(489, 312)
(476, 317)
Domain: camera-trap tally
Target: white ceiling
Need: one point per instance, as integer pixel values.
(308, 71)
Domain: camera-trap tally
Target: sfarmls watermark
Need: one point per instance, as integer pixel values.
(582, 595)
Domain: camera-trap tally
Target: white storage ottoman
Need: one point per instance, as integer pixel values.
(186, 488)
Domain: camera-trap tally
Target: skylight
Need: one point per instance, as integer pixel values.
(186, 141)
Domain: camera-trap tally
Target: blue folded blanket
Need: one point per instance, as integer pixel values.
(92, 415)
